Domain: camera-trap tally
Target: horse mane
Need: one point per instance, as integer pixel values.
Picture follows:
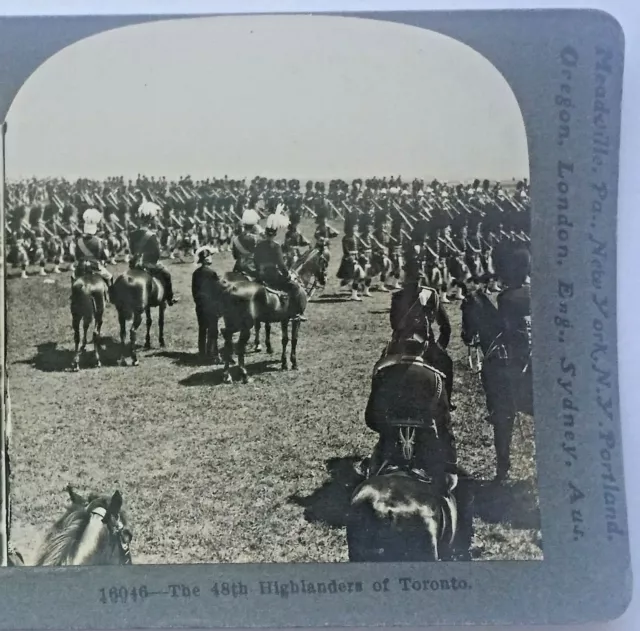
(61, 542)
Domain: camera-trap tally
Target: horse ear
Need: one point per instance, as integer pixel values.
(115, 504)
(74, 497)
(451, 482)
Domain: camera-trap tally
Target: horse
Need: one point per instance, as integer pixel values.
(93, 531)
(413, 506)
(398, 516)
(508, 388)
(243, 304)
(89, 295)
(312, 269)
(136, 292)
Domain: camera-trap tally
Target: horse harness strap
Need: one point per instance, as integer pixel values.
(393, 360)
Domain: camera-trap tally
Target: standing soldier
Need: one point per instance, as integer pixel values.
(513, 266)
(365, 249)
(348, 265)
(39, 238)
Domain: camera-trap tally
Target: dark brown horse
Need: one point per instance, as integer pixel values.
(412, 507)
(398, 516)
(243, 304)
(89, 295)
(93, 531)
(134, 293)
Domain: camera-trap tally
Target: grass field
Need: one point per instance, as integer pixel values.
(218, 473)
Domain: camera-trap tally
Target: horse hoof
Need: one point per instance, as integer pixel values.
(162, 344)
(285, 367)
(75, 368)
(98, 364)
(294, 366)
(135, 362)
(147, 347)
(258, 348)
(227, 379)
(123, 362)
(269, 350)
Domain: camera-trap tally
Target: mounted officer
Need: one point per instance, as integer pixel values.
(243, 245)
(272, 270)
(90, 249)
(415, 309)
(145, 248)
(293, 240)
(408, 407)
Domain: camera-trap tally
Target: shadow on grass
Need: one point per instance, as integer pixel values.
(214, 377)
(185, 358)
(50, 357)
(331, 298)
(513, 502)
(329, 504)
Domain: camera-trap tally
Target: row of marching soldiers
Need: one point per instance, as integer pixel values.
(449, 238)
(47, 233)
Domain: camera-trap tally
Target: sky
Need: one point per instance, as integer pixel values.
(278, 96)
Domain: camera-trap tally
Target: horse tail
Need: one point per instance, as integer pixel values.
(82, 304)
(99, 300)
(128, 296)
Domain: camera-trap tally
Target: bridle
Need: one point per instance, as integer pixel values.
(117, 532)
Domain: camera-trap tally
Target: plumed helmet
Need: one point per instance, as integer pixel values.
(149, 210)
(92, 216)
(250, 217)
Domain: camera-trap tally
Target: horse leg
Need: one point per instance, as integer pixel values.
(75, 366)
(295, 328)
(97, 332)
(245, 335)
(267, 337)
(147, 339)
(257, 346)
(212, 345)
(203, 341)
(228, 353)
(86, 322)
(123, 339)
(285, 341)
(137, 321)
(161, 310)
(502, 435)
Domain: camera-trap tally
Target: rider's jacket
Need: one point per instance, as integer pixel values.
(145, 246)
(269, 262)
(514, 307)
(90, 248)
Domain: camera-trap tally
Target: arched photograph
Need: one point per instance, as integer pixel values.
(269, 298)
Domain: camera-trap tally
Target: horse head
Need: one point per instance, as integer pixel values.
(93, 531)
(399, 517)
